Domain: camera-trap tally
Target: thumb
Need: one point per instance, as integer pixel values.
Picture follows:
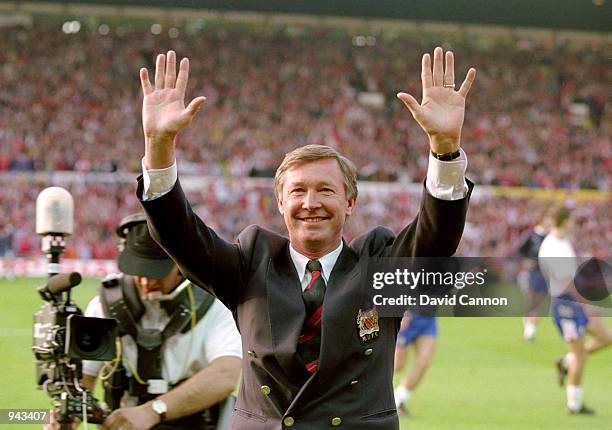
(195, 105)
(413, 106)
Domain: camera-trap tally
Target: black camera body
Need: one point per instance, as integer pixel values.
(62, 338)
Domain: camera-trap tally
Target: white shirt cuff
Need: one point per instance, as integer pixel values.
(446, 179)
(158, 182)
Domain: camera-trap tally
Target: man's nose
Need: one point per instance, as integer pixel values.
(311, 200)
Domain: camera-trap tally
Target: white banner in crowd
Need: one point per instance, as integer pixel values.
(38, 267)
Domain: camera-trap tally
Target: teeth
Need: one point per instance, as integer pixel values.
(313, 219)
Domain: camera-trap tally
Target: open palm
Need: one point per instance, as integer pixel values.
(442, 110)
(163, 108)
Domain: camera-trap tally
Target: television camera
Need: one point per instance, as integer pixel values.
(62, 336)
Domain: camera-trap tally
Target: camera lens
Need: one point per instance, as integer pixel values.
(87, 339)
(91, 338)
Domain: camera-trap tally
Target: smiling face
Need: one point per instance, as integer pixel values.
(315, 206)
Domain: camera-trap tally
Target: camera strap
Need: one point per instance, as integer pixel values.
(120, 300)
(179, 310)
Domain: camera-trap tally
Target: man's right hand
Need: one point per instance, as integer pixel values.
(163, 109)
(139, 417)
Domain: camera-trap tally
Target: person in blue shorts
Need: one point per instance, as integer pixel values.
(572, 315)
(420, 332)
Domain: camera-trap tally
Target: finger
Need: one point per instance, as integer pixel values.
(144, 81)
(170, 69)
(160, 71)
(467, 83)
(426, 78)
(438, 68)
(183, 75)
(194, 106)
(413, 106)
(449, 70)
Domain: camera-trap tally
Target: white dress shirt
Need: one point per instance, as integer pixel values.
(328, 262)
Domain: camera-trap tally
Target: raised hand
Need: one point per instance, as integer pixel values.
(163, 108)
(442, 109)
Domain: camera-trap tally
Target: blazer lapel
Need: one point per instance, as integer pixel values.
(287, 314)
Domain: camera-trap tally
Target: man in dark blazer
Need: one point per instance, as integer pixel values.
(316, 353)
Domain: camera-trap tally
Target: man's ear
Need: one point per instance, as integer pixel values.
(279, 205)
(350, 206)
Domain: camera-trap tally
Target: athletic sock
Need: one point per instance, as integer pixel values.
(574, 397)
(567, 359)
(402, 396)
(529, 330)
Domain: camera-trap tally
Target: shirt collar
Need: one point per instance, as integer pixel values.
(327, 261)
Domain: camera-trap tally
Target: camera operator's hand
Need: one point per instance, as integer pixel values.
(54, 425)
(133, 418)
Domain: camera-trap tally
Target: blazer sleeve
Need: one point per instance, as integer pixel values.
(436, 230)
(205, 258)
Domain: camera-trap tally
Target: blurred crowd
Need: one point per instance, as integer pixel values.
(536, 116)
(98, 209)
(71, 102)
(495, 225)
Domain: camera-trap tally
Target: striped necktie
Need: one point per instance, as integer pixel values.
(309, 342)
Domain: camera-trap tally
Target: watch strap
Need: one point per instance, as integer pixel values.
(447, 156)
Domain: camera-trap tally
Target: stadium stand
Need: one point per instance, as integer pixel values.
(69, 112)
(69, 102)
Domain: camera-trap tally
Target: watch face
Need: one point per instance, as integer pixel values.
(159, 406)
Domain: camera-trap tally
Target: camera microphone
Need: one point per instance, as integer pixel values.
(54, 221)
(62, 282)
(58, 284)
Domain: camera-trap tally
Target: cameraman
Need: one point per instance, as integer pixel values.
(180, 348)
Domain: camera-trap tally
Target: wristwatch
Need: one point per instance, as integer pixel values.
(160, 408)
(447, 156)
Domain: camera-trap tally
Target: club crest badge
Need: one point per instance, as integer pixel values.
(367, 322)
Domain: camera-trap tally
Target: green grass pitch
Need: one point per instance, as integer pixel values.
(483, 375)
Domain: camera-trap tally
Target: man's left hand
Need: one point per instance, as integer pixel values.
(133, 418)
(442, 110)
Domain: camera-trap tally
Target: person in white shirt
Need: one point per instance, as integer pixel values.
(180, 382)
(572, 316)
